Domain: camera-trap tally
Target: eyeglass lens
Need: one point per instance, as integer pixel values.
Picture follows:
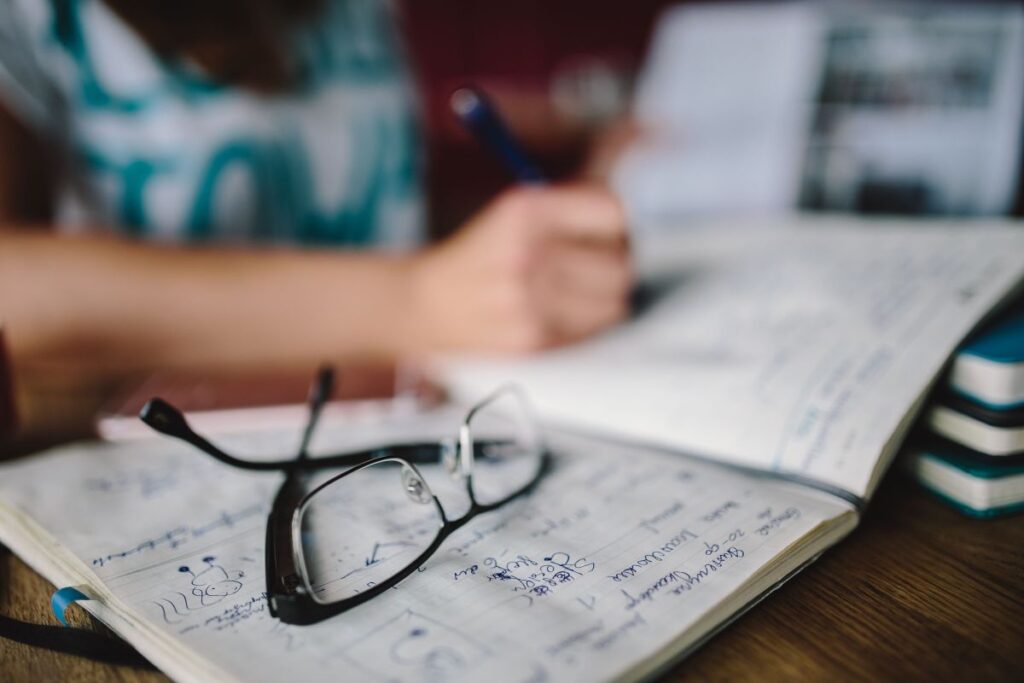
(364, 528)
(506, 448)
(374, 522)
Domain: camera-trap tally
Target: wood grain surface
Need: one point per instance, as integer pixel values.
(917, 593)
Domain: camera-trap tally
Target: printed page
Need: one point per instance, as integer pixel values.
(800, 349)
(621, 559)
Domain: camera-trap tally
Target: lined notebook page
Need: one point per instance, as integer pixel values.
(619, 553)
(799, 350)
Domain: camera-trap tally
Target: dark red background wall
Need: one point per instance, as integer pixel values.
(513, 48)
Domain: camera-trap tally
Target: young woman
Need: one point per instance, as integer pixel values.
(152, 152)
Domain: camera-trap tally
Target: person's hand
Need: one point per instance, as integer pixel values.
(537, 267)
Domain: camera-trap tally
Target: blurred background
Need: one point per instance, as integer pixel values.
(736, 108)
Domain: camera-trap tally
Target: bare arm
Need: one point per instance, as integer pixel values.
(130, 307)
(538, 267)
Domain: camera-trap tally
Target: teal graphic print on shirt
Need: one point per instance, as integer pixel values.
(159, 151)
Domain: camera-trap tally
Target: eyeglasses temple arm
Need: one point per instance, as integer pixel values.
(319, 394)
(166, 419)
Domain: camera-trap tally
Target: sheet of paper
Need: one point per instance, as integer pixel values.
(800, 349)
(725, 102)
(620, 552)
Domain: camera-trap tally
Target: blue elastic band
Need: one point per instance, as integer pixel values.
(62, 599)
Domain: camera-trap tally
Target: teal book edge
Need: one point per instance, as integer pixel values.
(1003, 418)
(974, 464)
(986, 513)
(970, 461)
(988, 405)
(1002, 341)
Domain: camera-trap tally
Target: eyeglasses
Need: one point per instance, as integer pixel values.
(335, 545)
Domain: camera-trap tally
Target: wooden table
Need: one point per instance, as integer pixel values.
(918, 592)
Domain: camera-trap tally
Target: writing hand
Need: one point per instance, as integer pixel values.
(539, 266)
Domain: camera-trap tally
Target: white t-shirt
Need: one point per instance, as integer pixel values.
(154, 149)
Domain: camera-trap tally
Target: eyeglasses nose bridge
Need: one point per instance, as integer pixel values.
(465, 451)
(450, 458)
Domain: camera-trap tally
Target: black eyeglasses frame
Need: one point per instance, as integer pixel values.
(288, 593)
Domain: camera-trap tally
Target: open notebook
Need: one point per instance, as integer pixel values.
(626, 557)
(803, 348)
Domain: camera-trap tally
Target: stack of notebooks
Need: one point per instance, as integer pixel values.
(974, 454)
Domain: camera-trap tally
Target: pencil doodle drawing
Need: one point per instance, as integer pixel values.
(426, 649)
(207, 587)
(214, 583)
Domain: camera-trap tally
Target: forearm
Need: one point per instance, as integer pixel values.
(129, 307)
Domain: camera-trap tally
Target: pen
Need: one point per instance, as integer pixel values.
(481, 119)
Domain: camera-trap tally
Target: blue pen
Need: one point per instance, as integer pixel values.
(481, 119)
